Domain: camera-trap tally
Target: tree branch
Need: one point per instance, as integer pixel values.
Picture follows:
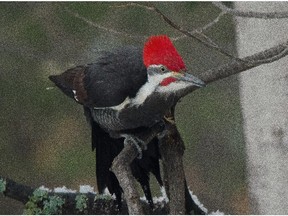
(250, 14)
(197, 35)
(210, 24)
(93, 203)
(197, 30)
(234, 67)
(200, 30)
(172, 150)
(95, 25)
(122, 170)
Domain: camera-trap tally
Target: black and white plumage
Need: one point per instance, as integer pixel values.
(121, 95)
(107, 83)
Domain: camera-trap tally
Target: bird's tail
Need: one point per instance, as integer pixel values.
(190, 205)
(69, 80)
(108, 148)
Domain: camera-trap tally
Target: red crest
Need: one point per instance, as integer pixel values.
(160, 50)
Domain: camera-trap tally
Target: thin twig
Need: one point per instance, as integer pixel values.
(251, 14)
(133, 4)
(200, 30)
(210, 24)
(199, 36)
(113, 31)
(192, 35)
(197, 30)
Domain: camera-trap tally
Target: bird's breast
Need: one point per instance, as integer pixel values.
(133, 116)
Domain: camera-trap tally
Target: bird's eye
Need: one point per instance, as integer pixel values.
(162, 68)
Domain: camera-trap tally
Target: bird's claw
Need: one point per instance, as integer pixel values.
(138, 143)
(162, 134)
(170, 119)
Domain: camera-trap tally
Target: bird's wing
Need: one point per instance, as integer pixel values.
(70, 81)
(107, 82)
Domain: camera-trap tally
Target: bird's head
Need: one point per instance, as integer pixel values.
(166, 67)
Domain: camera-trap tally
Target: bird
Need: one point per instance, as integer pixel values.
(127, 90)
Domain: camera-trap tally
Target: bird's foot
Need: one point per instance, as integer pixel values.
(170, 119)
(162, 134)
(138, 143)
(163, 124)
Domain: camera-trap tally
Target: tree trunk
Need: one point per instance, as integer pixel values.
(172, 150)
(263, 92)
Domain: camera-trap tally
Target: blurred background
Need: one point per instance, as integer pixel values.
(44, 137)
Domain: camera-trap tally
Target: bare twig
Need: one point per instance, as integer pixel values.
(133, 4)
(93, 24)
(210, 24)
(251, 14)
(202, 29)
(197, 35)
(207, 43)
(197, 30)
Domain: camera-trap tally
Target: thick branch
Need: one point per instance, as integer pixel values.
(251, 14)
(234, 67)
(172, 150)
(122, 170)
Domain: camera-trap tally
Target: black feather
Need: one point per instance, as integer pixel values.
(65, 81)
(108, 148)
(114, 77)
(108, 82)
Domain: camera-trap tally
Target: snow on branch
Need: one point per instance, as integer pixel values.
(45, 201)
(251, 14)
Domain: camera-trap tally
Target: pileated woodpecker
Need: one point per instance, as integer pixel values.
(123, 91)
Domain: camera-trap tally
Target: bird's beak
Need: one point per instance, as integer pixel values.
(186, 77)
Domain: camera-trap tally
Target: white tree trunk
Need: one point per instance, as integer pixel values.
(264, 99)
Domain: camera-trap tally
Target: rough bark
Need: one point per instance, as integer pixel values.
(264, 102)
(172, 150)
(122, 170)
